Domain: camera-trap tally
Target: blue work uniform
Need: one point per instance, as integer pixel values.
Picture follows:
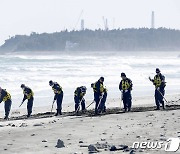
(98, 93)
(29, 95)
(58, 96)
(126, 86)
(102, 106)
(159, 83)
(79, 98)
(6, 98)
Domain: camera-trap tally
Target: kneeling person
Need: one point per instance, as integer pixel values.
(79, 98)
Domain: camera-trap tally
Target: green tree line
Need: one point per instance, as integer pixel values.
(142, 39)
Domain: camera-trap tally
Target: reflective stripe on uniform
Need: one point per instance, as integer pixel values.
(94, 87)
(101, 88)
(31, 94)
(57, 91)
(125, 85)
(8, 96)
(157, 81)
(82, 93)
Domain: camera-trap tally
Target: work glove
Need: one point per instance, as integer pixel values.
(55, 97)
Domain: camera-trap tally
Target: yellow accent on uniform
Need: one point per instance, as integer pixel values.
(94, 87)
(7, 97)
(31, 94)
(57, 91)
(101, 88)
(157, 81)
(82, 94)
(125, 85)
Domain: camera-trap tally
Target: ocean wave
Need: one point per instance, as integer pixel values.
(72, 71)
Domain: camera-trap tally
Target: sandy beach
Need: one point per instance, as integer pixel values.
(110, 133)
(90, 77)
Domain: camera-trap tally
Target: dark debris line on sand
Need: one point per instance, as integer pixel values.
(90, 113)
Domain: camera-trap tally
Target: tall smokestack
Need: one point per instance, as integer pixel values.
(82, 24)
(152, 20)
(106, 25)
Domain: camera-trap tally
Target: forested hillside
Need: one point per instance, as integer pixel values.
(160, 39)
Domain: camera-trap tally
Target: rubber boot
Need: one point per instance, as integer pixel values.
(96, 112)
(163, 106)
(84, 111)
(28, 115)
(157, 108)
(129, 109)
(6, 117)
(104, 109)
(57, 112)
(60, 113)
(124, 110)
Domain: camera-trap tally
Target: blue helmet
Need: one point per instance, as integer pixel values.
(22, 85)
(158, 70)
(102, 79)
(123, 74)
(50, 82)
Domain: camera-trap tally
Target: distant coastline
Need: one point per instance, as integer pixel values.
(142, 39)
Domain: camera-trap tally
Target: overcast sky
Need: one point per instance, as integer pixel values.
(26, 16)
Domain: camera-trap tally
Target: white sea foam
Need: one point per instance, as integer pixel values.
(35, 69)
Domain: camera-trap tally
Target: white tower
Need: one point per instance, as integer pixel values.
(106, 26)
(152, 20)
(82, 24)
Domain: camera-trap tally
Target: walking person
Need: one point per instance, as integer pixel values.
(6, 98)
(125, 87)
(159, 83)
(58, 97)
(29, 95)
